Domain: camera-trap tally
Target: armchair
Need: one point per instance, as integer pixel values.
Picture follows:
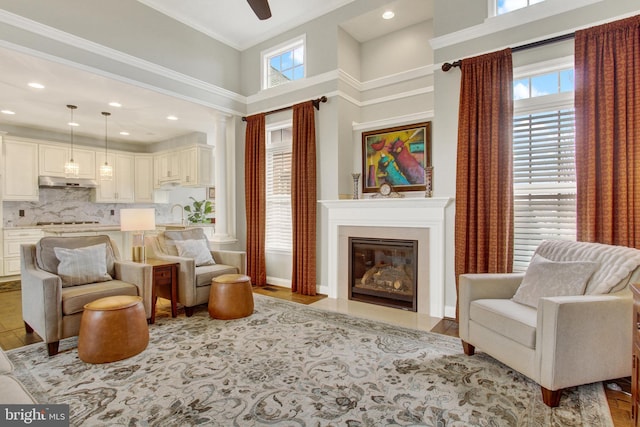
(561, 338)
(194, 273)
(54, 291)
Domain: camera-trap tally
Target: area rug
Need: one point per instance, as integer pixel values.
(293, 365)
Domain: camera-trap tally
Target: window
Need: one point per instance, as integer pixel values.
(544, 162)
(278, 188)
(506, 6)
(284, 64)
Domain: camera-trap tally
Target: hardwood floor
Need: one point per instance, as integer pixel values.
(13, 335)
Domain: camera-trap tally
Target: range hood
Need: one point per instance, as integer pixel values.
(57, 181)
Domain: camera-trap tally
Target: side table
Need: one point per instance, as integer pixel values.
(165, 274)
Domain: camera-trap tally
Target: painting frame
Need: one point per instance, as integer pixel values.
(386, 157)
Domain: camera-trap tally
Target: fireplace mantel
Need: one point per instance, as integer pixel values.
(426, 213)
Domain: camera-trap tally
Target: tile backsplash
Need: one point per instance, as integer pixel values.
(73, 204)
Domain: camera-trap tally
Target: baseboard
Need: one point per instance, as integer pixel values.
(277, 281)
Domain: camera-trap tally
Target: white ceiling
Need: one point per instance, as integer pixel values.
(143, 112)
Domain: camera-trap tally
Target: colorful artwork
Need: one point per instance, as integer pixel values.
(396, 156)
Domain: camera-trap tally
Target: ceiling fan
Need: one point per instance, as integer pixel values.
(260, 8)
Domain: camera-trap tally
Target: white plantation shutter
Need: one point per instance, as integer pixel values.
(278, 187)
(544, 181)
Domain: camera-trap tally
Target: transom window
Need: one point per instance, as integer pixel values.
(278, 189)
(506, 6)
(544, 162)
(284, 64)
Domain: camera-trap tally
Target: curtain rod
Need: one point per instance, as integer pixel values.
(316, 103)
(447, 66)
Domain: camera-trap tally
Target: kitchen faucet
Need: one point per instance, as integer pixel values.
(181, 212)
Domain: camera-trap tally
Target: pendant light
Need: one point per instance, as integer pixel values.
(106, 171)
(71, 168)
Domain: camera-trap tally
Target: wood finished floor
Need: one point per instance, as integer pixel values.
(13, 335)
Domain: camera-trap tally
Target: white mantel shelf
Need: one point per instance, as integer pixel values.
(391, 212)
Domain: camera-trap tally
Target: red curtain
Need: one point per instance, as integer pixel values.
(255, 198)
(607, 103)
(484, 176)
(303, 199)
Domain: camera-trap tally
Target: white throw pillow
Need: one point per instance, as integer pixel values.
(82, 265)
(546, 278)
(197, 249)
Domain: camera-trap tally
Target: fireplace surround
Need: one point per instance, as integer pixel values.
(408, 218)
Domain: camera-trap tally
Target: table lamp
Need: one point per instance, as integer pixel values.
(137, 221)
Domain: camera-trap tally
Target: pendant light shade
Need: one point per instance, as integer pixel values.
(106, 170)
(71, 168)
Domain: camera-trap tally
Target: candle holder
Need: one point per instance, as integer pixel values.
(428, 181)
(356, 178)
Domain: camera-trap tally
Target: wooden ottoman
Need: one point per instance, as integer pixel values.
(230, 297)
(112, 328)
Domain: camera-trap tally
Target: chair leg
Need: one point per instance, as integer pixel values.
(52, 348)
(551, 398)
(469, 349)
(189, 311)
(28, 328)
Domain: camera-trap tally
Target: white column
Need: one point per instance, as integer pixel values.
(224, 185)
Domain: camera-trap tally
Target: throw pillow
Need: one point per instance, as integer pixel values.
(197, 249)
(546, 278)
(82, 265)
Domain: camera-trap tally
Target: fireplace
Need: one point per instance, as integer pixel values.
(383, 272)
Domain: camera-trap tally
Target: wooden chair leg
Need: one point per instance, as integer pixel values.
(28, 328)
(551, 398)
(189, 311)
(52, 348)
(469, 349)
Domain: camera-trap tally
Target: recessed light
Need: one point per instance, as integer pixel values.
(115, 104)
(7, 112)
(74, 124)
(125, 133)
(172, 118)
(36, 85)
(388, 15)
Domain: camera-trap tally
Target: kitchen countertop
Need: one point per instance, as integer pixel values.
(78, 228)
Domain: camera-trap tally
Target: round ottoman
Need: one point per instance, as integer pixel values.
(231, 297)
(112, 328)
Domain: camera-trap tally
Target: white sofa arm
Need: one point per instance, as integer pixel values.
(140, 275)
(576, 333)
(236, 259)
(483, 286)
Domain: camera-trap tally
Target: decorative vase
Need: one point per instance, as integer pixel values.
(356, 178)
(428, 181)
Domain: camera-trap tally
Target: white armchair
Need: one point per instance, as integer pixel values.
(568, 338)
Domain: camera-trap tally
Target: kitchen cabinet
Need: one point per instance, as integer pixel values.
(144, 181)
(196, 166)
(12, 239)
(120, 188)
(19, 170)
(167, 169)
(52, 158)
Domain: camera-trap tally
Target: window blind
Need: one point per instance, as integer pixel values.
(278, 189)
(544, 181)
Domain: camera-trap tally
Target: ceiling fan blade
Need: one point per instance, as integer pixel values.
(260, 8)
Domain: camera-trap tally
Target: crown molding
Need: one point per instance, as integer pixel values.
(113, 54)
(394, 121)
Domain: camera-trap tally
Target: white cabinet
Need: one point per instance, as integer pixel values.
(52, 159)
(13, 238)
(120, 188)
(167, 168)
(20, 170)
(144, 181)
(196, 166)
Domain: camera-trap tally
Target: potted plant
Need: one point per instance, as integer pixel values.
(198, 211)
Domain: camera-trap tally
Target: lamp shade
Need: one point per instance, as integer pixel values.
(137, 219)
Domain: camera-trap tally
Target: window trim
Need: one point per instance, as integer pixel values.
(267, 54)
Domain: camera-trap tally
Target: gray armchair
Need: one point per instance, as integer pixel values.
(194, 281)
(53, 298)
(563, 338)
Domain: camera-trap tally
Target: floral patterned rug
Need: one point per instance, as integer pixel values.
(293, 365)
